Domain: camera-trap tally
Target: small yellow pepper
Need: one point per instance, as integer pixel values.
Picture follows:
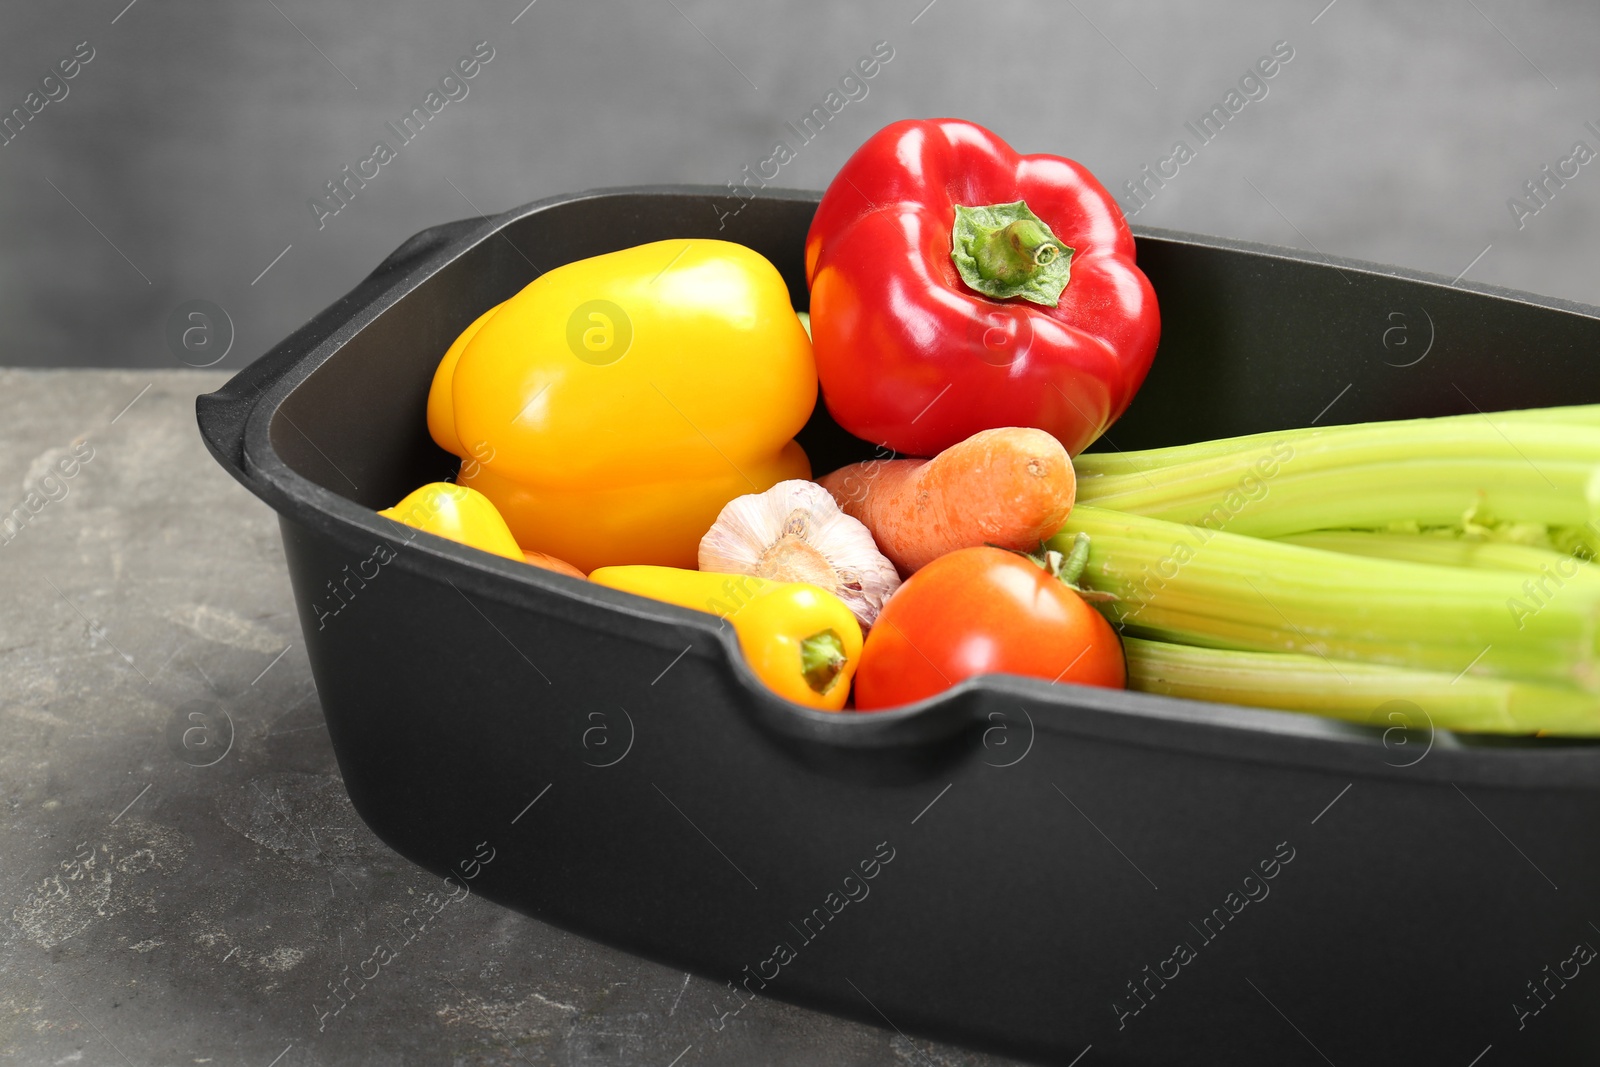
(459, 513)
(613, 406)
(800, 640)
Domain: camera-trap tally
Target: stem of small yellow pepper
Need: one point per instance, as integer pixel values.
(822, 659)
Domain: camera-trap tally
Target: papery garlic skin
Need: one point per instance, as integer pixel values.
(795, 532)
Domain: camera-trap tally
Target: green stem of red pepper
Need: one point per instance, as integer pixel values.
(1005, 250)
(1016, 252)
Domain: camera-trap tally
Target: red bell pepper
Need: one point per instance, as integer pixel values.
(957, 286)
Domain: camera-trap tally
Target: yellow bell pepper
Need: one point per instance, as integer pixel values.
(613, 406)
(800, 640)
(459, 513)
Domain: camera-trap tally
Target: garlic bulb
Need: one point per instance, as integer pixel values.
(795, 532)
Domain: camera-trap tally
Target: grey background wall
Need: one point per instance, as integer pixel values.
(180, 162)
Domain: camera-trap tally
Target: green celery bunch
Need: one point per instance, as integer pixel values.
(1359, 692)
(1429, 472)
(1094, 464)
(1193, 585)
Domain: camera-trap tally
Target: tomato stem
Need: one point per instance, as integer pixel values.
(1067, 566)
(1070, 569)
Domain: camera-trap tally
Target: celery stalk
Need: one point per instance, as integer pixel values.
(1094, 464)
(1373, 476)
(1358, 691)
(1198, 586)
(1549, 568)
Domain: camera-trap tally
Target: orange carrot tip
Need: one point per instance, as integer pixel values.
(552, 563)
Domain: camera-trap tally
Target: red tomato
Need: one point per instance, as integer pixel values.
(983, 611)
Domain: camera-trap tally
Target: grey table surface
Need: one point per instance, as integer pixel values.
(192, 898)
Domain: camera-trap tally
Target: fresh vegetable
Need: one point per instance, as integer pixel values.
(957, 286)
(1360, 692)
(1448, 550)
(466, 515)
(458, 513)
(1194, 585)
(614, 405)
(551, 563)
(1091, 464)
(1010, 487)
(1442, 561)
(1370, 476)
(982, 611)
(800, 640)
(794, 532)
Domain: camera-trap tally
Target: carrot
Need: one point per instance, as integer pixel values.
(1011, 487)
(551, 563)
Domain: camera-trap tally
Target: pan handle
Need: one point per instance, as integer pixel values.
(222, 415)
